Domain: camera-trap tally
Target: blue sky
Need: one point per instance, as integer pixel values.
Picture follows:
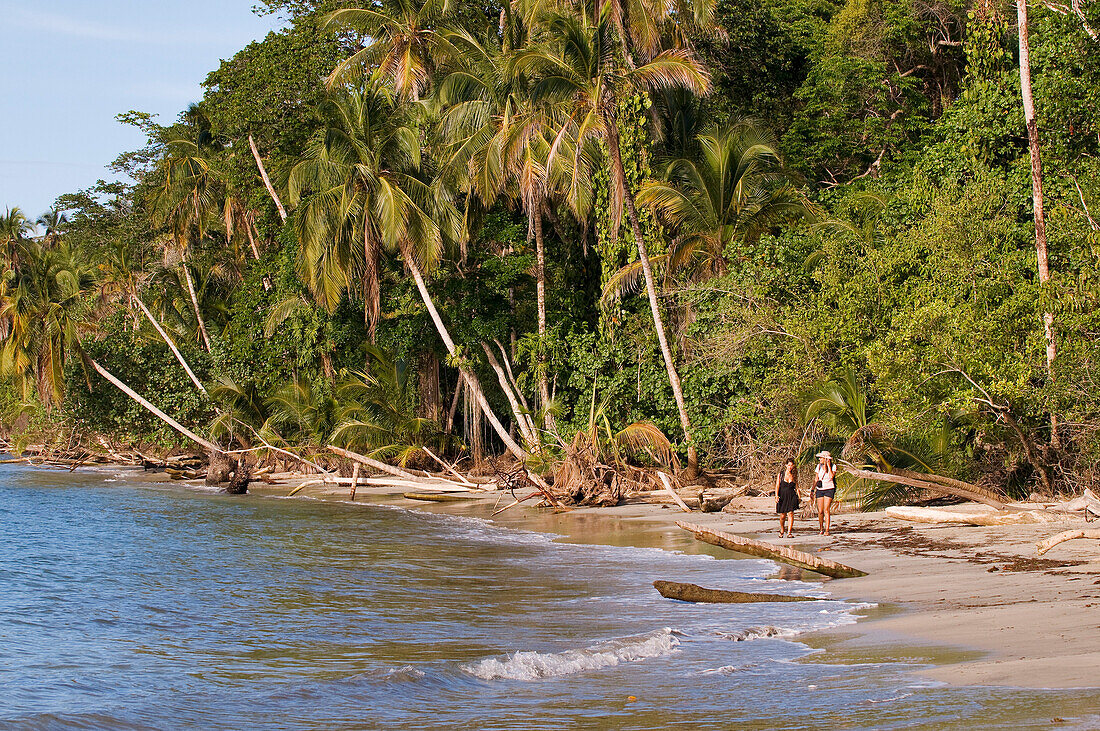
(70, 66)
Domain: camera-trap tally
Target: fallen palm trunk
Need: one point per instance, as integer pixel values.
(1069, 535)
(369, 462)
(414, 484)
(696, 593)
(436, 497)
(969, 493)
(784, 554)
(1000, 517)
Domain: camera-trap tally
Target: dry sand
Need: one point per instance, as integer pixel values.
(979, 599)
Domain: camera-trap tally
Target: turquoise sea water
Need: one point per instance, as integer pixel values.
(126, 605)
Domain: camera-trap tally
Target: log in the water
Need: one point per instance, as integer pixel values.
(437, 497)
(696, 593)
(784, 554)
(998, 517)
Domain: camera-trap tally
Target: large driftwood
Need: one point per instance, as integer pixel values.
(668, 488)
(784, 554)
(976, 494)
(436, 497)
(380, 466)
(1000, 517)
(1087, 501)
(696, 593)
(1069, 535)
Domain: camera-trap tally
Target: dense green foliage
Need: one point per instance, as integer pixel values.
(846, 216)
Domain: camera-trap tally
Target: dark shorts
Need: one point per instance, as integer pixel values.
(830, 493)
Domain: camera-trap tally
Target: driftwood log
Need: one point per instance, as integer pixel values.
(1070, 535)
(784, 554)
(436, 497)
(696, 593)
(668, 488)
(934, 483)
(999, 517)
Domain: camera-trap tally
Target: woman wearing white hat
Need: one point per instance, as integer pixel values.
(824, 491)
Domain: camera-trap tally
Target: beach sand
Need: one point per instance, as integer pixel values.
(976, 603)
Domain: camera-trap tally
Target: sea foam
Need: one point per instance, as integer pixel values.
(536, 665)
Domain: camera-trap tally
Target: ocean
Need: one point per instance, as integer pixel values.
(136, 605)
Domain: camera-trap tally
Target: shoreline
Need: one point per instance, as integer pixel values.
(974, 603)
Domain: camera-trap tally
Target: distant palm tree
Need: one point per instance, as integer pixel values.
(14, 227)
(54, 223)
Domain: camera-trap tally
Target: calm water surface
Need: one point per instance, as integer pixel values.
(129, 605)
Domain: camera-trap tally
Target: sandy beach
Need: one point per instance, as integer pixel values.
(976, 603)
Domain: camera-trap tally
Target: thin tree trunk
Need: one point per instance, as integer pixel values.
(540, 293)
(522, 420)
(154, 410)
(195, 302)
(251, 239)
(471, 378)
(1037, 197)
(171, 344)
(449, 426)
(267, 180)
(651, 290)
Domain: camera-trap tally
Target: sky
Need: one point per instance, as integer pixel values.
(69, 66)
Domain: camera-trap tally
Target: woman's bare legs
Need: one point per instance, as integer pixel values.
(821, 515)
(790, 531)
(783, 524)
(825, 512)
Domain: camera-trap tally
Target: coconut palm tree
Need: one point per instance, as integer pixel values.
(53, 222)
(14, 227)
(732, 193)
(402, 36)
(190, 197)
(576, 72)
(361, 191)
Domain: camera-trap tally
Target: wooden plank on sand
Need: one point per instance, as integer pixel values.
(767, 550)
(436, 497)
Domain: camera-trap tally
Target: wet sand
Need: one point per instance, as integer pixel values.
(976, 603)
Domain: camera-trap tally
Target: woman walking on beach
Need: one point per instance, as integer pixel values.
(824, 491)
(786, 496)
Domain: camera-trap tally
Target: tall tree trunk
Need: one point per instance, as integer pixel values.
(540, 294)
(195, 301)
(651, 290)
(154, 410)
(471, 378)
(427, 381)
(1037, 197)
(171, 344)
(267, 180)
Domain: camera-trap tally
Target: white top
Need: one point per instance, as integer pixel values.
(825, 474)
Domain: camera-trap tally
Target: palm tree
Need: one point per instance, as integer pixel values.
(402, 38)
(54, 223)
(732, 193)
(47, 302)
(576, 72)
(190, 197)
(361, 179)
(14, 227)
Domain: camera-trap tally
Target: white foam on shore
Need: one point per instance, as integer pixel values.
(537, 665)
(756, 633)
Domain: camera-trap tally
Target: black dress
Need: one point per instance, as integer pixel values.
(788, 497)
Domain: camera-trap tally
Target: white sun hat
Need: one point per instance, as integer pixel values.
(824, 454)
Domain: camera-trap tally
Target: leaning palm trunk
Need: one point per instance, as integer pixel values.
(266, 179)
(171, 344)
(154, 410)
(468, 375)
(195, 302)
(651, 290)
(1037, 197)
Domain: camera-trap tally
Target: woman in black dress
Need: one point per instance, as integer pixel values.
(786, 496)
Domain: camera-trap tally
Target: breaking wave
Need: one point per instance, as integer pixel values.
(536, 665)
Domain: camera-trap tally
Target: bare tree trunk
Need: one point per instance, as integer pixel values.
(267, 180)
(428, 386)
(154, 410)
(171, 344)
(471, 378)
(651, 290)
(195, 302)
(449, 426)
(1037, 197)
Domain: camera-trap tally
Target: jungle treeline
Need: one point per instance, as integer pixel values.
(703, 235)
